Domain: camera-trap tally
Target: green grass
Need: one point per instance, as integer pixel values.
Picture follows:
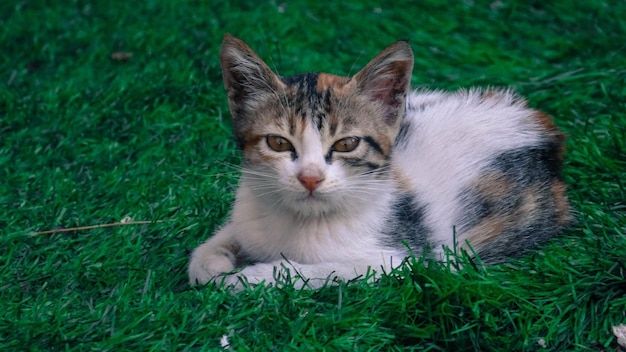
(85, 139)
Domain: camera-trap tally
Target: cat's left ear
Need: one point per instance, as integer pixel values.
(246, 77)
(387, 78)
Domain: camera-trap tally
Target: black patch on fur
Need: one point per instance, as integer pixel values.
(552, 160)
(306, 81)
(360, 162)
(292, 127)
(523, 169)
(527, 166)
(309, 102)
(333, 128)
(372, 143)
(402, 137)
(329, 157)
(407, 225)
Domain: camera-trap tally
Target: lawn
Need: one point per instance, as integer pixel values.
(115, 110)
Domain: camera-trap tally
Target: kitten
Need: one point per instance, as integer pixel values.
(340, 174)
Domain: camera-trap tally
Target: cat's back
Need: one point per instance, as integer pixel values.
(471, 124)
(450, 137)
(483, 164)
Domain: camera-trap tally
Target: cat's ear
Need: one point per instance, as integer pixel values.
(246, 77)
(387, 78)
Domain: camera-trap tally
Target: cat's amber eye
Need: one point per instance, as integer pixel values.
(346, 145)
(279, 144)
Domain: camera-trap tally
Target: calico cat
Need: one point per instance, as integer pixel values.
(342, 175)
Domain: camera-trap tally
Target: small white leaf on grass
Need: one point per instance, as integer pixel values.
(542, 343)
(224, 342)
(620, 332)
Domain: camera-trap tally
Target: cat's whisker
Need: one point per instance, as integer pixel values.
(265, 188)
(364, 196)
(376, 172)
(369, 185)
(258, 173)
(361, 198)
(262, 184)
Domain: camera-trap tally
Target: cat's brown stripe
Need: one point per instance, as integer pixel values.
(493, 186)
(491, 228)
(385, 144)
(251, 141)
(561, 203)
(530, 205)
(485, 232)
(303, 124)
(334, 122)
(292, 126)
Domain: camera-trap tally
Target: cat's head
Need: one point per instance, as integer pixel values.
(316, 143)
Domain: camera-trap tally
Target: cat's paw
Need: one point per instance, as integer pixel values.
(277, 273)
(206, 266)
(260, 273)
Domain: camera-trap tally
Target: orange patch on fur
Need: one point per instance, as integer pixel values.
(303, 124)
(561, 203)
(328, 81)
(250, 151)
(402, 181)
(385, 143)
(490, 228)
(493, 185)
(529, 204)
(252, 141)
(546, 123)
(487, 231)
(266, 158)
(338, 84)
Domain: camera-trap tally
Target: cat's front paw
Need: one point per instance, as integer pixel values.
(276, 273)
(207, 265)
(261, 272)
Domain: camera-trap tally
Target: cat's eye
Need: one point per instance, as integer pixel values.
(279, 144)
(346, 144)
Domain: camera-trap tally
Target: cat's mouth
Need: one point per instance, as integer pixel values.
(312, 196)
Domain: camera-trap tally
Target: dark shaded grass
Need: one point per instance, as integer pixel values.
(85, 139)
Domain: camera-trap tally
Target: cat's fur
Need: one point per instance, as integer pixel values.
(477, 166)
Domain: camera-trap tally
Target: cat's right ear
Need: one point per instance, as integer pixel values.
(386, 80)
(246, 77)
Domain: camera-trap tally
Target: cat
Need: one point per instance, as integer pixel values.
(344, 177)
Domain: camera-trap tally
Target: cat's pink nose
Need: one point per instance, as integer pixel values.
(310, 182)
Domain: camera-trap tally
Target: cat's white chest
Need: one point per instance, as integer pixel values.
(267, 234)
